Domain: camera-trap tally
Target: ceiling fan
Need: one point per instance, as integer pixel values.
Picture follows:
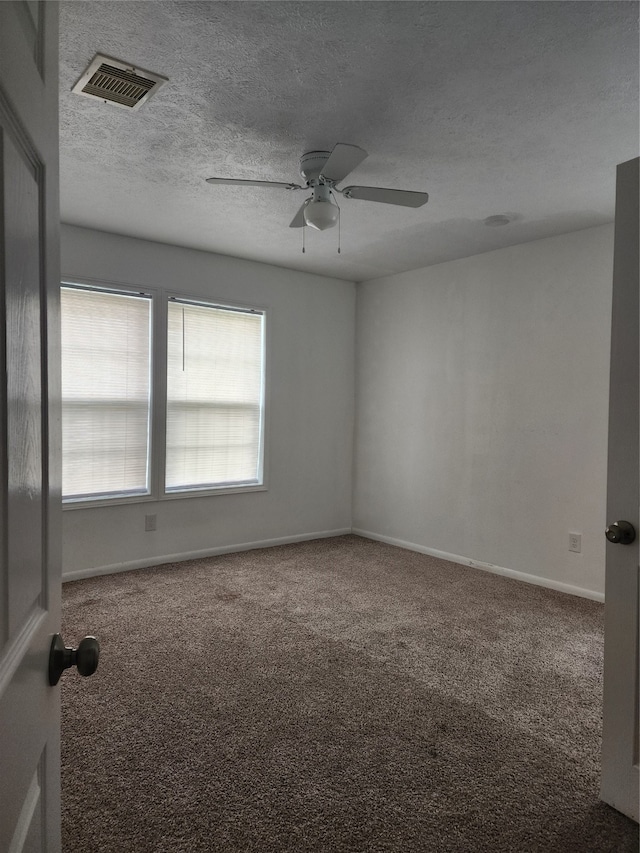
(322, 170)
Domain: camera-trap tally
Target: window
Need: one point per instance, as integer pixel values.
(215, 379)
(209, 404)
(106, 360)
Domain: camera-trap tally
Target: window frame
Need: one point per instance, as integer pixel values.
(160, 298)
(149, 293)
(222, 489)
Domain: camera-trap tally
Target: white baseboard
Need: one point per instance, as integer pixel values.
(145, 562)
(486, 567)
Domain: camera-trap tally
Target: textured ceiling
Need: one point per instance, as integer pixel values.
(517, 108)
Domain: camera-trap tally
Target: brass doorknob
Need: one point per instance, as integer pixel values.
(61, 657)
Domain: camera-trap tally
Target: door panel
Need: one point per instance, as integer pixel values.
(29, 428)
(24, 388)
(620, 707)
(28, 831)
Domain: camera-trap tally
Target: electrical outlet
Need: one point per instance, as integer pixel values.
(575, 542)
(150, 522)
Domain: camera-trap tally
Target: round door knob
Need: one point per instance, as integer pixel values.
(61, 657)
(621, 533)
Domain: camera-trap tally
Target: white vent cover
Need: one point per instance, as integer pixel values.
(118, 83)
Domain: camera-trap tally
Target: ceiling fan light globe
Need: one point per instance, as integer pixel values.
(320, 214)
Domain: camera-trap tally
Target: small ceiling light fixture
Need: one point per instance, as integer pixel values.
(320, 212)
(496, 221)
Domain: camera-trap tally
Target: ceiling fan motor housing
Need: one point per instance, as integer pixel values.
(312, 163)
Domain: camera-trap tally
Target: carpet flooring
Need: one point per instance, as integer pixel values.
(339, 695)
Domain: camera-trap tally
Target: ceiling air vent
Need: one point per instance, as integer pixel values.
(118, 83)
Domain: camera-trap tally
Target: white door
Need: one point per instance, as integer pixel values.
(620, 710)
(29, 427)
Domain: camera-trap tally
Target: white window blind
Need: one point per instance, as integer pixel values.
(215, 373)
(106, 359)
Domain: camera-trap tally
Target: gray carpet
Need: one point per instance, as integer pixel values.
(335, 695)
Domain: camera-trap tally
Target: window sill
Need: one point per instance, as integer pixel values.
(169, 496)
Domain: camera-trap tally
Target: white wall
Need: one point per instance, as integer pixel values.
(482, 407)
(311, 323)
(481, 429)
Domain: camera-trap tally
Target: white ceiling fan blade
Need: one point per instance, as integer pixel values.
(406, 198)
(342, 160)
(243, 183)
(298, 220)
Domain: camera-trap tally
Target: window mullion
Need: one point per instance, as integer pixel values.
(159, 398)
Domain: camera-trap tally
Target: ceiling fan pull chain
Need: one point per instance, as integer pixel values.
(303, 248)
